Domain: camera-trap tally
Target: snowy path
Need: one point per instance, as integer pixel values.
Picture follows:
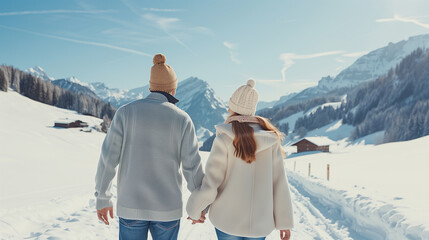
(81, 223)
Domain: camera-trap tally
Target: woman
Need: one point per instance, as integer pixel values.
(245, 183)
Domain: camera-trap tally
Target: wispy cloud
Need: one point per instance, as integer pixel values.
(289, 59)
(293, 84)
(166, 24)
(99, 44)
(397, 18)
(162, 22)
(161, 10)
(54, 12)
(203, 30)
(232, 53)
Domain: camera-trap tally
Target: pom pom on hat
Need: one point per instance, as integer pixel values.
(251, 83)
(159, 58)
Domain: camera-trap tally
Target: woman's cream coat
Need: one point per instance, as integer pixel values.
(249, 200)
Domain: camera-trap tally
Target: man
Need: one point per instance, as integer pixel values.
(149, 139)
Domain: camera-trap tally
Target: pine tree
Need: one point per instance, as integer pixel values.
(3, 81)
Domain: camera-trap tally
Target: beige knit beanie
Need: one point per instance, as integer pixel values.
(243, 101)
(162, 76)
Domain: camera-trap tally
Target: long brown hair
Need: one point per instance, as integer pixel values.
(244, 141)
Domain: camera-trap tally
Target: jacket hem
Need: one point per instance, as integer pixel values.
(240, 234)
(148, 215)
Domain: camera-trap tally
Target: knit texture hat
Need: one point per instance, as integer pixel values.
(162, 76)
(243, 101)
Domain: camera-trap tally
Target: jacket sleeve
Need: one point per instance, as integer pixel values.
(190, 157)
(214, 176)
(109, 160)
(283, 213)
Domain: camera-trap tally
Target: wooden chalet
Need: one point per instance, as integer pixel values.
(313, 144)
(71, 124)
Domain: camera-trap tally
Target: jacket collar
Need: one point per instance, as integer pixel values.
(264, 139)
(162, 96)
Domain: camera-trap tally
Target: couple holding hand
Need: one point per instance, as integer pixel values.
(244, 187)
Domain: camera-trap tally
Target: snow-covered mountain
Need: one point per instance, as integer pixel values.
(375, 63)
(285, 98)
(39, 72)
(118, 97)
(368, 67)
(75, 85)
(199, 100)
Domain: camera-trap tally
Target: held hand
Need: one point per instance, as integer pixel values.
(284, 234)
(201, 220)
(102, 214)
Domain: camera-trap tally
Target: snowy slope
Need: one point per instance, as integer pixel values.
(377, 190)
(44, 170)
(47, 181)
(39, 72)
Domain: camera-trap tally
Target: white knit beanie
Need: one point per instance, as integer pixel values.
(243, 101)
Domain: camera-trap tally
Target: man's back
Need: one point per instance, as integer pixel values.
(149, 139)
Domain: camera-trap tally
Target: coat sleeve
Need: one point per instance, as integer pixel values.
(109, 160)
(283, 213)
(190, 157)
(214, 176)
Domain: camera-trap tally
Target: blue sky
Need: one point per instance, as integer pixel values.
(285, 46)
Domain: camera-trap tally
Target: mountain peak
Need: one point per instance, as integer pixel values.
(39, 72)
(375, 63)
(73, 79)
(194, 80)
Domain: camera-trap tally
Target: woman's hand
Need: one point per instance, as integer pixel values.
(284, 234)
(201, 220)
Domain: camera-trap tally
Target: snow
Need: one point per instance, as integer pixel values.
(320, 141)
(47, 184)
(202, 135)
(335, 131)
(291, 120)
(39, 72)
(374, 138)
(377, 189)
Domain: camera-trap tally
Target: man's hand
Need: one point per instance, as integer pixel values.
(201, 220)
(284, 234)
(102, 214)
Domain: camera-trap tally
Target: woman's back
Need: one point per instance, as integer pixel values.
(247, 199)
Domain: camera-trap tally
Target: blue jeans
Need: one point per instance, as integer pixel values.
(137, 229)
(225, 236)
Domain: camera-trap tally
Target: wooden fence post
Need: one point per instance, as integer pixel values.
(309, 169)
(294, 166)
(328, 172)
